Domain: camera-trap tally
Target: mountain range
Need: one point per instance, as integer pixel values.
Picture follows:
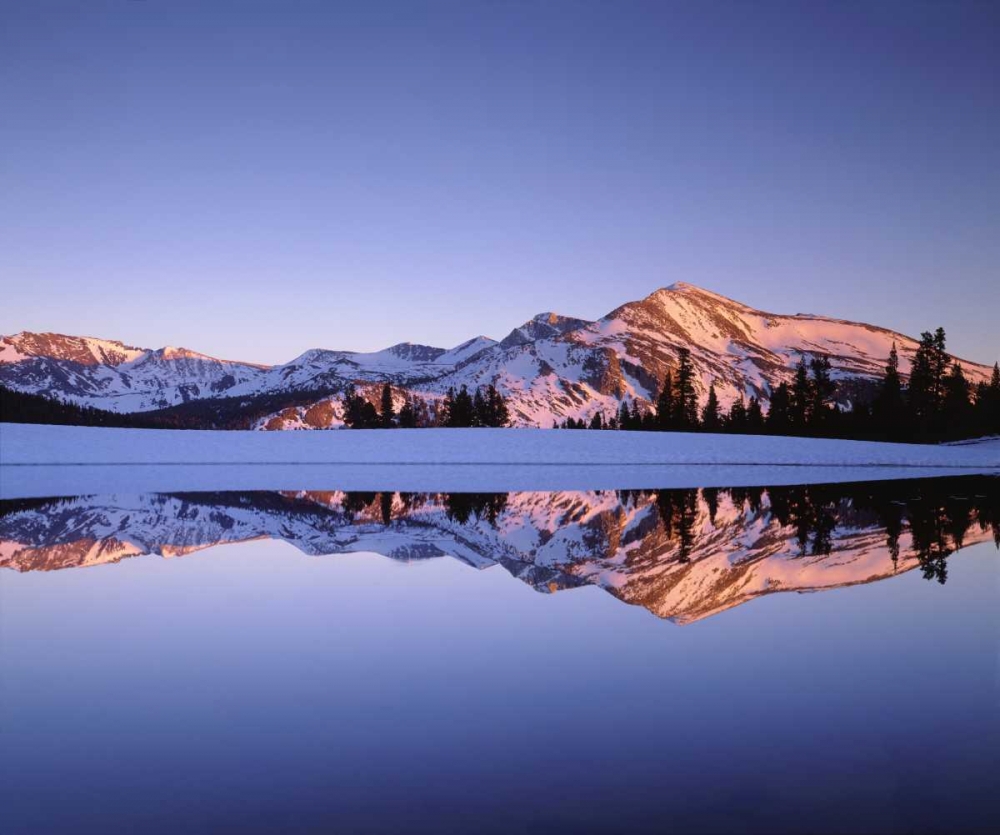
(549, 368)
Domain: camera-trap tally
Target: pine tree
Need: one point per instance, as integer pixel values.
(755, 417)
(597, 421)
(711, 419)
(957, 408)
(497, 413)
(939, 365)
(926, 391)
(447, 407)
(636, 417)
(462, 412)
(778, 414)
(358, 412)
(388, 412)
(624, 416)
(408, 415)
(822, 391)
(665, 404)
(888, 407)
(737, 418)
(369, 415)
(989, 411)
(685, 405)
(480, 410)
(800, 399)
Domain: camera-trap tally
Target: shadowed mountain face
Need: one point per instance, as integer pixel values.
(681, 554)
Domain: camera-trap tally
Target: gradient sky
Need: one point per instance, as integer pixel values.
(254, 179)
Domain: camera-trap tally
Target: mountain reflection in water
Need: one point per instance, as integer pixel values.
(682, 554)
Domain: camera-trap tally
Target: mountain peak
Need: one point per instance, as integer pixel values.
(693, 290)
(415, 352)
(542, 326)
(169, 352)
(84, 350)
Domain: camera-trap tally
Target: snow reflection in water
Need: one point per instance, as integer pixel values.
(683, 554)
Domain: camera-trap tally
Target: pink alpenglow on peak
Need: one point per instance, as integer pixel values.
(550, 368)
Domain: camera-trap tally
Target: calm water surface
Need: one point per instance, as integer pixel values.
(617, 661)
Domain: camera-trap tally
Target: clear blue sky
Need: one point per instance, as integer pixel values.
(254, 179)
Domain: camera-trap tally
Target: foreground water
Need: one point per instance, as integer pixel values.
(297, 681)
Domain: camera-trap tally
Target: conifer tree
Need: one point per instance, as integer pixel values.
(665, 404)
(888, 407)
(497, 413)
(939, 364)
(956, 408)
(822, 390)
(636, 416)
(358, 412)
(480, 411)
(388, 412)
(711, 419)
(755, 417)
(926, 391)
(988, 404)
(462, 412)
(778, 414)
(800, 398)
(597, 421)
(624, 416)
(447, 407)
(737, 418)
(408, 414)
(685, 397)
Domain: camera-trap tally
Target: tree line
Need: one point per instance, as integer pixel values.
(939, 404)
(19, 407)
(205, 413)
(484, 407)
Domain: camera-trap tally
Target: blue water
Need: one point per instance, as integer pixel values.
(253, 688)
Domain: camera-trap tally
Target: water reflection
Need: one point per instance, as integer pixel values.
(683, 554)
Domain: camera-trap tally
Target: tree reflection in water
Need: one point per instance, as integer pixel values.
(681, 553)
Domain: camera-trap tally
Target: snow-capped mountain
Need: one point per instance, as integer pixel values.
(110, 375)
(681, 554)
(549, 368)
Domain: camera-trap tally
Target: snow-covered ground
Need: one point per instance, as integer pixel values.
(40, 444)
(34, 460)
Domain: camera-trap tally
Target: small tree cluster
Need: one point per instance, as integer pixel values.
(360, 413)
(481, 408)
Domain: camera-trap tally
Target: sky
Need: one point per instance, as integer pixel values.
(253, 179)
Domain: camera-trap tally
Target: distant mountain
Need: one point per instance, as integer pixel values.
(110, 375)
(549, 368)
(681, 554)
